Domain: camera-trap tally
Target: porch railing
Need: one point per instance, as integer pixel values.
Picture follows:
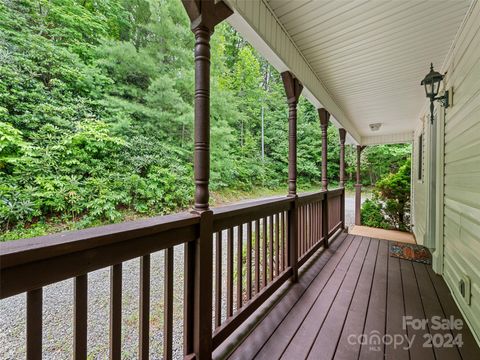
(253, 239)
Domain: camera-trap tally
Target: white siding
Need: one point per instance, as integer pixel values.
(462, 169)
(419, 184)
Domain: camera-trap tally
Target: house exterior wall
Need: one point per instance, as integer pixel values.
(419, 182)
(462, 169)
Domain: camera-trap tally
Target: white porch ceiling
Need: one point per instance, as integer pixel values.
(371, 55)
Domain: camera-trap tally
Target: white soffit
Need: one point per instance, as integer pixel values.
(371, 55)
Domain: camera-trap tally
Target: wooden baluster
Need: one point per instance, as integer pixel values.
(168, 305)
(257, 256)
(144, 303)
(34, 324)
(249, 260)
(80, 317)
(270, 265)
(229, 272)
(239, 266)
(264, 252)
(325, 220)
(277, 245)
(116, 312)
(218, 279)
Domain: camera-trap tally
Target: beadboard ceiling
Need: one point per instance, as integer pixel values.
(371, 55)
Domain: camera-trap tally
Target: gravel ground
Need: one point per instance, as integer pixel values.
(58, 311)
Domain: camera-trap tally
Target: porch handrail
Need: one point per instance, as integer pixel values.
(259, 226)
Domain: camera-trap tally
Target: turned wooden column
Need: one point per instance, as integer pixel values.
(204, 16)
(293, 89)
(358, 188)
(324, 116)
(342, 134)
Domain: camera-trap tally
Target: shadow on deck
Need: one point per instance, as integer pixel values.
(356, 288)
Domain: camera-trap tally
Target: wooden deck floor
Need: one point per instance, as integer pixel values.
(356, 288)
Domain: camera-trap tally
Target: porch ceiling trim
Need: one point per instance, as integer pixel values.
(399, 138)
(259, 26)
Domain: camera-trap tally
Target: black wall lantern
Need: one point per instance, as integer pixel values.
(432, 86)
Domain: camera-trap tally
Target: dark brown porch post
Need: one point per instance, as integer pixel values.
(324, 116)
(293, 89)
(204, 15)
(342, 134)
(358, 188)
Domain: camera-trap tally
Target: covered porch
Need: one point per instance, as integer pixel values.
(354, 301)
(280, 277)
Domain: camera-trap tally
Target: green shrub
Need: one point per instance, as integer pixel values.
(390, 205)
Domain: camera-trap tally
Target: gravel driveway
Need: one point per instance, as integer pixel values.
(58, 311)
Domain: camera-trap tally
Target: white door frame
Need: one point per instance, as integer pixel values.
(438, 255)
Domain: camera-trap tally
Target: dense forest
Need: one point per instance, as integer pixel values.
(96, 116)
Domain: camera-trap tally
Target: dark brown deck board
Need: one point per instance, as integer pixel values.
(470, 349)
(432, 307)
(305, 335)
(352, 289)
(414, 308)
(330, 331)
(260, 335)
(287, 329)
(357, 312)
(377, 306)
(395, 311)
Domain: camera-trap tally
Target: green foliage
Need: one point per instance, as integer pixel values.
(390, 205)
(96, 115)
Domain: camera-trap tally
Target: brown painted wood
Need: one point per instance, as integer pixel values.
(395, 310)
(271, 248)
(330, 331)
(470, 349)
(189, 294)
(414, 308)
(19, 252)
(80, 311)
(358, 187)
(230, 272)
(277, 244)
(377, 306)
(202, 320)
(231, 324)
(372, 298)
(35, 274)
(342, 135)
(144, 304)
(264, 252)
(115, 312)
(432, 307)
(292, 239)
(325, 230)
(34, 324)
(324, 116)
(265, 330)
(168, 305)
(240, 266)
(355, 321)
(302, 342)
(218, 279)
(232, 215)
(293, 323)
(249, 261)
(293, 89)
(257, 256)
